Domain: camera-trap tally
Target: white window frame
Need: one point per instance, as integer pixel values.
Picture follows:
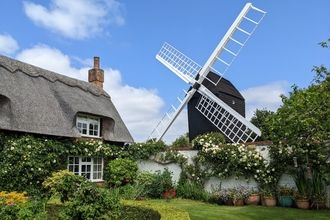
(88, 123)
(91, 167)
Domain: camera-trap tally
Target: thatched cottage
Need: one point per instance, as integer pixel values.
(37, 101)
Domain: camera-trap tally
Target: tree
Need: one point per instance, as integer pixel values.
(301, 126)
(259, 119)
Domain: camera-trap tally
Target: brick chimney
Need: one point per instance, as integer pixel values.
(96, 75)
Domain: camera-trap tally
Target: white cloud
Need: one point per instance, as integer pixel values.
(8, 45)
(75, 19)
(266, 96)
(51, 59)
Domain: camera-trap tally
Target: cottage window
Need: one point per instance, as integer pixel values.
(90, 167)
(88, 125)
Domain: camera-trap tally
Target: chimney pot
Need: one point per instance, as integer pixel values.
(97, 62)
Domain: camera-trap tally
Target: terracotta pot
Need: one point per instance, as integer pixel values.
(253, 199)
(302, 203)
(270, 201)
(239, 202)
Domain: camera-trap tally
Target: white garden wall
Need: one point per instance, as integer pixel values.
(226, 183)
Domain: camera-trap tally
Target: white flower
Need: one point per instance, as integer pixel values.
(31, 169)
(12, 148)
(39, 169)
(29, 146)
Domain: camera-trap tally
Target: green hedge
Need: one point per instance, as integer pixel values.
(129, 212)
(167, 212)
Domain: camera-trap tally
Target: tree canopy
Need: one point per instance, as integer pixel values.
(302, 123)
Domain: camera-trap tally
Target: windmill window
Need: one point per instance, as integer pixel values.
(88, 125)
(91, 168)
(233, 102)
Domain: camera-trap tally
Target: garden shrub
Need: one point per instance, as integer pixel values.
(54, 210)
(190, 190)
(14, 197)
(22, 207)
(133, 191)
(181, 142)
(167, 212)
(129, 212)
(120, 172)
(208, 138)
(57, 178)
(161, 182)
(91, 202)
(66, 184)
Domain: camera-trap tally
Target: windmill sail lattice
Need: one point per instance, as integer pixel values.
(233, 125)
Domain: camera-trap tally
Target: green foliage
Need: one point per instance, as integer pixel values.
(302, 184)
(67, 185)
(167, 212)
(285, 191)
(191, 190)
(91, 202)
(161, 182)
(303, 122)
(133, 191)
(236, 159)
(129, 212)
(120, 171)
(181, 142)
(32, 209)
(27, 160)
(57, 178)
(318, 192)
(143, 151)
(259, 120)
(53, 210)
(208, 138)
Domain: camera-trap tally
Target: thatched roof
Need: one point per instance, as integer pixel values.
(36, 100)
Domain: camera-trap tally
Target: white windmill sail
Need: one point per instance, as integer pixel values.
(239, 129)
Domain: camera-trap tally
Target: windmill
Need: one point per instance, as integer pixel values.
(234, 126)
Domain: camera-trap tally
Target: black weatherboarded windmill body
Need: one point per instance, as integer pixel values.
(226, 91)
(204, 94)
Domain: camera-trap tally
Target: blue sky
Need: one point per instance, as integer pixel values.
(64, 36)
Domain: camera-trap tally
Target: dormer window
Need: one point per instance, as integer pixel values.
(88, 126)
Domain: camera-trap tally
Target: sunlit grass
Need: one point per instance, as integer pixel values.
(203, 211)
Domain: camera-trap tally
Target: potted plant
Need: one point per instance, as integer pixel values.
(253, 197)
(268, 196)
(224, 195)
(238, 194)
(301, 195)
(285, 195)
(318, 194)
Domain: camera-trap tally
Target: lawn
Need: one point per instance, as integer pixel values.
(203, 211)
